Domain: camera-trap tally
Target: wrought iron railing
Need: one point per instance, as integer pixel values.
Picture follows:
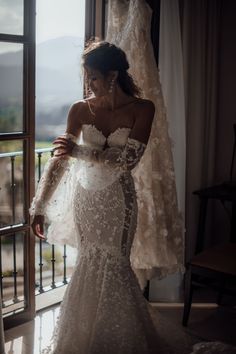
(48, 257)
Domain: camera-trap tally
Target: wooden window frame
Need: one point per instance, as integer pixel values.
(27, 136)
(94, 27)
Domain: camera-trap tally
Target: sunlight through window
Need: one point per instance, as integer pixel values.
(59, 81)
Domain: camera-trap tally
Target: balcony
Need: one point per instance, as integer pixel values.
(53, 264)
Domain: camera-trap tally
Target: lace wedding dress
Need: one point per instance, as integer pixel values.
(91, 202)
(103, 310)
(158, 248)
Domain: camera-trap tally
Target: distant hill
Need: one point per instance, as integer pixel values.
(58, 78)
(59, 75)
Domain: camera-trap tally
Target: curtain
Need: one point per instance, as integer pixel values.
(157, 249)
(172, 81)
(201, 38)
(170, 61)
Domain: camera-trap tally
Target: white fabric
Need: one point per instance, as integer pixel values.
(103, 282)
(103, 310)
(158, 245)
(172, 82)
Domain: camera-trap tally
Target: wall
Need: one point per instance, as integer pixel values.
(226, 112)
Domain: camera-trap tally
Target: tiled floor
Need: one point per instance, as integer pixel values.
(31, 337)
(207, 322)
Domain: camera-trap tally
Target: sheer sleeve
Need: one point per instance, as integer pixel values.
(120, 157)
(124, 158)
(54, 199)
(52, 174)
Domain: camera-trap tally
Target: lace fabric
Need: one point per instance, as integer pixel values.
(93, 167)
(122, 159)
(158, 247)
(105, 217)
(93, 205)
(53, 170)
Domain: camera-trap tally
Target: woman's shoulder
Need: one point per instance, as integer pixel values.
(145, 103)
(144, 107)
(80, 106)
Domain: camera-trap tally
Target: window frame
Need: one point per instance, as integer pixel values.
(27, 136)
(94, 27)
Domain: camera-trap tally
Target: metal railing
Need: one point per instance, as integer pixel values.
(48, 256)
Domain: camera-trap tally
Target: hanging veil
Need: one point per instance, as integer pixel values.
(158, 245)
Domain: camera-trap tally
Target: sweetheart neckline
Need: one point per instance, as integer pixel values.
(99, 131)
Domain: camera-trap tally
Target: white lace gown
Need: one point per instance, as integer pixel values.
(103, 310)
(94, 208)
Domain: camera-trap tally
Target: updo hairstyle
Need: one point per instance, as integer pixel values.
(104, 57)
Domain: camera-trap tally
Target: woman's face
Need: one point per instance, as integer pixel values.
(98, 84)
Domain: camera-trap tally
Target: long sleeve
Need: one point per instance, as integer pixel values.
(123, 158)
(52, 174)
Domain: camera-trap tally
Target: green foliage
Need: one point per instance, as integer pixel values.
(9, 273)
(9, 146)
(11, 119)
(47, 255)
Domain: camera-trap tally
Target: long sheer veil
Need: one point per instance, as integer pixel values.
(158, 245)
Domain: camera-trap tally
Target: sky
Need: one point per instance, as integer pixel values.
(59, 18)
(55, 18)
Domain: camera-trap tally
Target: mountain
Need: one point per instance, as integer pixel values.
(59, 80)
(58, 72)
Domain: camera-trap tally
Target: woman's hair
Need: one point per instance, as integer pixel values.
(104, 56)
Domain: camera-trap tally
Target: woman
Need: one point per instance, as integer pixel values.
(103, 310)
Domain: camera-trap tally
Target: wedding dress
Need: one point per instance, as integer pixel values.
(103, 309)
(92, 201)
(158, 247)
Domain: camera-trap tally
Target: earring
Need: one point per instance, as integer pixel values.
(111, 86)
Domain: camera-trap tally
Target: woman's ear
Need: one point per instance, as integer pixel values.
(113, 74)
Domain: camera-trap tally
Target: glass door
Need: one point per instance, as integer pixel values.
(60, 37)
(17, 72)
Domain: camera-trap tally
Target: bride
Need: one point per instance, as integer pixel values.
(87, 195)
(103, 310)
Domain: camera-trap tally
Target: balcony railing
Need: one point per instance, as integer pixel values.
(51, 263)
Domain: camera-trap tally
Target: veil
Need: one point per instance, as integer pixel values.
(158, 245)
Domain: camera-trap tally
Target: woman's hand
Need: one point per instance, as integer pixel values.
(66, 146)
(37, 226)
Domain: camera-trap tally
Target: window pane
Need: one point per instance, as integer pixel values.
(11, 88)
(11, 17)
(11, 183)
(12, 263)
(59, 79)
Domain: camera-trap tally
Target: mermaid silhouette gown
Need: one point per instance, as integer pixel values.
(103, 310)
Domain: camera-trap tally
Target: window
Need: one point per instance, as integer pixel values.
(56, 81)
(16, 156)
(60, 32)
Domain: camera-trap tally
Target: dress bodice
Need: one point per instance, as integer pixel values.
(94, 175)
(92, 136)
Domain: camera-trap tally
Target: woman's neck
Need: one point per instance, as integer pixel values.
(114, 100)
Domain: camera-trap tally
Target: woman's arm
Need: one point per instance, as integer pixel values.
(52, 174)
